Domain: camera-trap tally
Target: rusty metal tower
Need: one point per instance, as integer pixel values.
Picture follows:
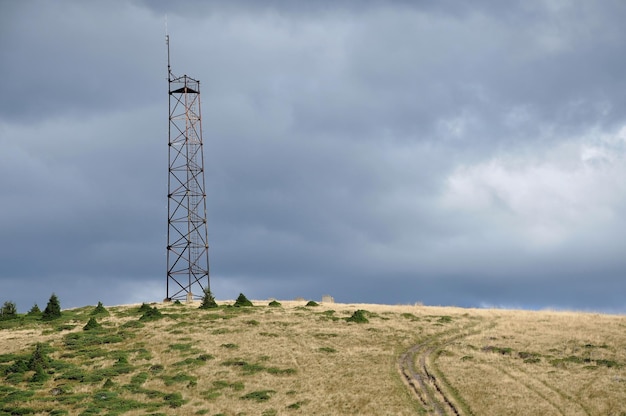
(187, 234)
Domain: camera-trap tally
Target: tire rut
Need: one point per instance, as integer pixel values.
(421, 381)
(431, 391)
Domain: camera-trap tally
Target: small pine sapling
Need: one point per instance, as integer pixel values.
(53, 309)
(242, 301)
(34, 311)
(92, 324)
(100, 310)
(208, 301)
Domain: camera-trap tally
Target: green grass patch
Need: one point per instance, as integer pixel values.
(410, 316)
(151, 314)
(184, 348)
(10, 394)
(132, 325)
(174, 400)
(246, 367)
(110, 402)
(179, 378)
(156, 368)
(325, 335)
(85, 340)
(194, 362)
(498, 350)
(296, 405)
(230, 346)
(252, 368)
(259, 395)
(281, 371)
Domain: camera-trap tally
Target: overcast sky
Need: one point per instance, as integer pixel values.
(449, 152)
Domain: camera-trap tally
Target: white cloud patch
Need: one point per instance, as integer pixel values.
(545, 199)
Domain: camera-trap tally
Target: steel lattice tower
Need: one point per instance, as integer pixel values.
(187, 234)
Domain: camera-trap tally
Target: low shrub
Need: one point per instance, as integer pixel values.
(174, 400)
(100, 310)
(8, 310)
(208, 300)
(92, 324)
(151, 314)
(312, 303)
(358, 317)
(179, 378)
(39, 358)
(242, 301)
(34, 311)
(144, 308)
(275, 304)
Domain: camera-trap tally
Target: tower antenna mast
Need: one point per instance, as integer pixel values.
(187, 234)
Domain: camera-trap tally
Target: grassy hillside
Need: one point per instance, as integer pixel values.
(313, 360)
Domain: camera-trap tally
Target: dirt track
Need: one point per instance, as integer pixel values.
(420, 372)
(414, 367)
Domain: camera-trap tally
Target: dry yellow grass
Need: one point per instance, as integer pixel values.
(309, 360)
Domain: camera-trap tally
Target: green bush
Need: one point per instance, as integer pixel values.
(8, 311)
(144, 308)
(358, 317)
(242, 301)
(208, 300)
(174, 399)
(151, 314)
(274, 304)
(92, 324)
(53, 309)
(100, 310)
(312, 303)
(18, 367)
(39, 358)
(34, 311)
(40, 375)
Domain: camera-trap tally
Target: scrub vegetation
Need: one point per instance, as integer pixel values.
(236, 359)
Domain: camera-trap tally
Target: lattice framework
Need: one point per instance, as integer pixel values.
(187, 231)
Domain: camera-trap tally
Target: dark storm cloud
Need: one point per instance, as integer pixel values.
(73, 57)
(378, 151)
